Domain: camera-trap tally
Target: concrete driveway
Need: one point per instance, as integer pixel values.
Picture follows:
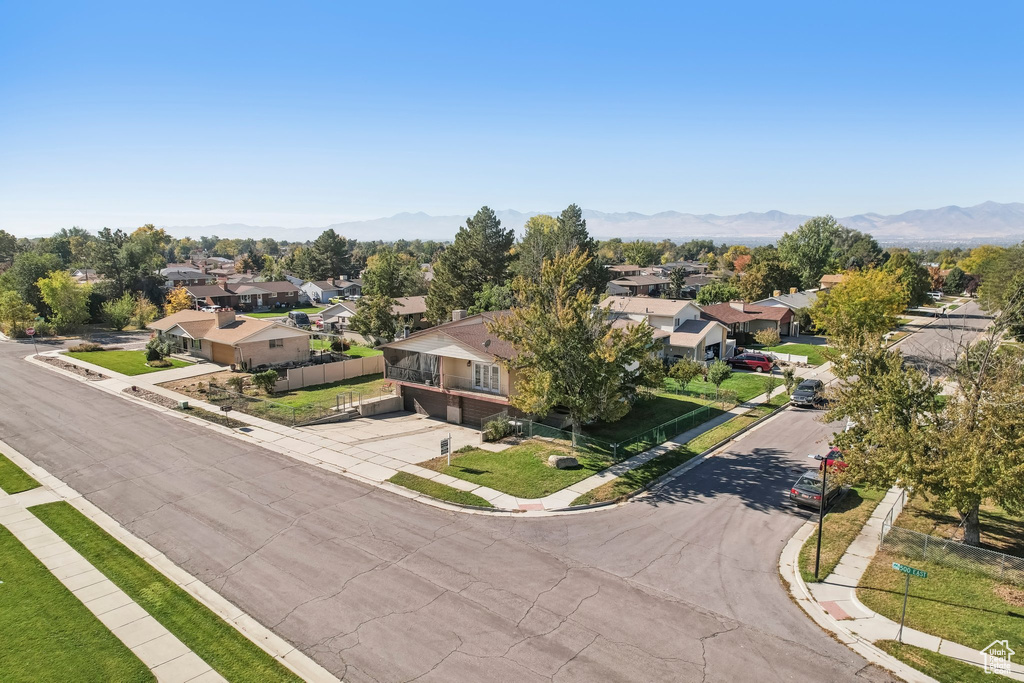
(682, 585)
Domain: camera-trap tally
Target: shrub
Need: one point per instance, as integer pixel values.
(236, 383)
(767, 337)
(265, 380)
(156, 349)
(85, 347)
(160, 363)
(685, 371)
(789, 379)
(497, 429)
(339, 345)
(118, 312)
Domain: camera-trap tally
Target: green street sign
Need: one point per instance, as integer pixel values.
(909, 570)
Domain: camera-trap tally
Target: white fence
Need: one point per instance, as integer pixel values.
(788, 357)
(296, 378)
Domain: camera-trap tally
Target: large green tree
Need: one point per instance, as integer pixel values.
(67, 300)
(15, 313)
(810, 249)
(8, 248)
(912, 276)
(865, 304)
(765, 277)
(641, 253)
(546, 237)
(480, 255)
(856, 249)
(326, 257)
(24, 274)
(392, 274)
(130, 262)
(717, 292)
(568, 353)
(375, 318)
(955, 282)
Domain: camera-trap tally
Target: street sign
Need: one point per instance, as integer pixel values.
(30, 331)
(909, 570)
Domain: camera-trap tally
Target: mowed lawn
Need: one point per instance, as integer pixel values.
(13, 479)
(282, 312)
(355, 350)
(815, 354)
(521, 471)
(746, 385)
(125, 362)
(843, 522)
(647, 414)
(322, 393)
(47, 634)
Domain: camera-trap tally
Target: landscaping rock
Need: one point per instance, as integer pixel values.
(563, 462)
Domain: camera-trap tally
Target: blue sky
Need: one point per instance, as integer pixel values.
(308, 113)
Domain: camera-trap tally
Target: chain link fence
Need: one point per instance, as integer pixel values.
(948, 552)
(342, 405)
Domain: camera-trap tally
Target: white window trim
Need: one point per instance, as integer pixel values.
(487, 377)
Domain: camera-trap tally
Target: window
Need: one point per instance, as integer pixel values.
(291, 293)
(276, 343)
(197, 343)
(246, 298)
(486, 377)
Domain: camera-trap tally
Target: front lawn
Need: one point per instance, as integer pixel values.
(355, 350)
(815, 354)
(125, 362)
(325, 393)
(282, 312)
(521, 471)
(746, 385)
(439, 491)
(215, 641)
(648, 413)
(13, 479)
(966, 607)
(47, 634)
(842, 525)
(940, 667)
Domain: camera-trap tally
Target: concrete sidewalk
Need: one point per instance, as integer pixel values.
(836, 596)
(166, 656)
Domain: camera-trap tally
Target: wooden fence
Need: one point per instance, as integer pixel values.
(296, 378)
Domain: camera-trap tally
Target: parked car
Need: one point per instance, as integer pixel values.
(834, 459)
(935, 296)
(298, 318)
(810, 394)
(807, 490)
(758, 362)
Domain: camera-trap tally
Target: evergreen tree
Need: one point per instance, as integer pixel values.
(479, 255)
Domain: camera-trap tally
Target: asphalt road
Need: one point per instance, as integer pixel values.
(941, 342)
(680, 586)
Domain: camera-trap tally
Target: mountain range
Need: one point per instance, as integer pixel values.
(989, 221)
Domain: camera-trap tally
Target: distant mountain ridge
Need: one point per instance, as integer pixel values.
(987, 221)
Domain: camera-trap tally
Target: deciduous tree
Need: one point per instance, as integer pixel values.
(178, 299)
(912, 276)
(864, 304)
(375, 318)
(810, 249)
(15, 313)
(641, 253)
(67, 300)
(717, 292)
(118, 312)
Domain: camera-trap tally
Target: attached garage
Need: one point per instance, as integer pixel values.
(223, 353)
(425, 402)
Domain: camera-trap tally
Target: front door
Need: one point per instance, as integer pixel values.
(259, 299)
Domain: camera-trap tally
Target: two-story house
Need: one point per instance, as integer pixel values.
(677, 323)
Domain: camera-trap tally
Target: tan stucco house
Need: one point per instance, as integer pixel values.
(677, 324)
(222, 337)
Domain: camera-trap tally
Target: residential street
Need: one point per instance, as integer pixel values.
(942, 339)
(682, 585)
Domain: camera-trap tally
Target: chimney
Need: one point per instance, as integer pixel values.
(777, 292)
(738, 305)
(458, 314)
(202, 269)
(792, 290)
(225, 316)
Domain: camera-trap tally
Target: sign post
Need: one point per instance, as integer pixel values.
(446, 447)
(31, 332)
(909, 571)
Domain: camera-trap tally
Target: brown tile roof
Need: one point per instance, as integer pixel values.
(188, 315)
(623, 268)
(277, 286)
(203, 325)
(471, 331)
(640, 280)
(728, 315)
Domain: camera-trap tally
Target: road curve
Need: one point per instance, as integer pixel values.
(678, 586)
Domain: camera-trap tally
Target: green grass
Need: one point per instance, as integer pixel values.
(647, 414)
(13, 479)
(439, 491)
(521, 471)
(218, 643)
(125, 362)
(638, 478)
(47, 634)
(210, 416)
(815, 354)
(900, 322)
(746, 385)
(952, 307)
(355, 350)
(940, 667)
(282, 312)
(963, 606)
(842, 525)
(321, 393)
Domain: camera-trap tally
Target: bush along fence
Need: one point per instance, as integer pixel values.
(948, 552)
(500, 425)
(342, 406)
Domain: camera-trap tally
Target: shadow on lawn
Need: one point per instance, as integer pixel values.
(899, 593)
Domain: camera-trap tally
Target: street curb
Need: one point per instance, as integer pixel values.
(284, 652)
(789, 572)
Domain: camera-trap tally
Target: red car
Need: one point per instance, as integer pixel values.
(834, 459)
(758, 362)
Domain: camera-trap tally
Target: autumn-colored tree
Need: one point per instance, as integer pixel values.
(178, 299)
